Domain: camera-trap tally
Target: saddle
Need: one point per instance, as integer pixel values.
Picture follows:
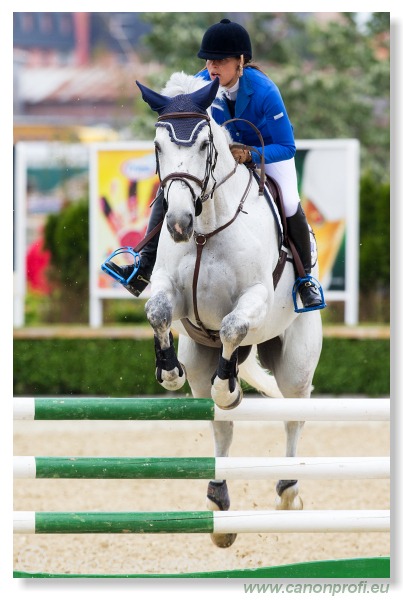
(273, 187)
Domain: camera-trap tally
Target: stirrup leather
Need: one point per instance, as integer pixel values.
(301, 281)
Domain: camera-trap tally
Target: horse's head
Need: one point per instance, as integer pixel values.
(185, 154)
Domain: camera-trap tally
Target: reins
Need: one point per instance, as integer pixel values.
(245, 147)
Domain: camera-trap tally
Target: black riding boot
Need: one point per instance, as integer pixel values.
(298, 231)
(148, 254)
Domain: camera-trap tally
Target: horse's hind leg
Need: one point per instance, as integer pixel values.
(199, 361)
(287, 489)
(217, 491)
(293, 361)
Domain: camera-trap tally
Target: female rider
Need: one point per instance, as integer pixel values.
(250, 95)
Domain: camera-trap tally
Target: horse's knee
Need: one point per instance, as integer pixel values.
(159, 311)
(233, 330)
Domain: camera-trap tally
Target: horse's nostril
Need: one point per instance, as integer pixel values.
(181, 228)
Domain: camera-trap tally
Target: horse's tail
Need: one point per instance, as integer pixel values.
(257, 377)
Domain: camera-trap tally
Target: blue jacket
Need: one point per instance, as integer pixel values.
(259, 101)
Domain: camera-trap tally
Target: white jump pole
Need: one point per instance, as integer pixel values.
(304, 521)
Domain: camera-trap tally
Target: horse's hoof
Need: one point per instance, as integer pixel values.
(174, 382)
(295, 504)
(223, 540)
(288, 498)
(234, 404)
(237, 394)
(218, 499)
(217, 495)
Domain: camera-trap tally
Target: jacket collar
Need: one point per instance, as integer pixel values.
(244, 93)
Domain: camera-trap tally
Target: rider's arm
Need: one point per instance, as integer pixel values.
(277, 129)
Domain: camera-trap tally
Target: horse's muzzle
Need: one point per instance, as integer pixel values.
(180, 230)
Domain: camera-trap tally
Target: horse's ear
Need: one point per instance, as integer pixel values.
(205, 96)
(157, 102)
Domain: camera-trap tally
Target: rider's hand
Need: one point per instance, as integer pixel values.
(241, 155)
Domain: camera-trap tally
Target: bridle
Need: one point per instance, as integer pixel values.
(211, 162)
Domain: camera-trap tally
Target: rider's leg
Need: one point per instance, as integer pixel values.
(298, 231)
(148, 254)
(285, 174)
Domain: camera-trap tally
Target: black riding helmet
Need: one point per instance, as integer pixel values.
(225, 39)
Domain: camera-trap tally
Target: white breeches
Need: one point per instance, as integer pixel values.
(285, 173)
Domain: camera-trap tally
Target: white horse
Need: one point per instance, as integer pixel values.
(228, 303)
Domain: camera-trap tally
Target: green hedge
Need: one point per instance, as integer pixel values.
(122, 367)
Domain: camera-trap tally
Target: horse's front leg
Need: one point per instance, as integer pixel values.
(248, 314)
(169, 372)
(200, 361)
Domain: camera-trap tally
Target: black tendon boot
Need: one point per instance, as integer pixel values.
(298, 231)
(148, 254)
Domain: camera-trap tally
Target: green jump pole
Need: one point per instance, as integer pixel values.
(49, 467)
(116, 522)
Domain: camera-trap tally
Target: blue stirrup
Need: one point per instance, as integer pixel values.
(300, 281)
(136, 264)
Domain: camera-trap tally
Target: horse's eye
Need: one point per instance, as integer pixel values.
(157, 146)
(204, 145)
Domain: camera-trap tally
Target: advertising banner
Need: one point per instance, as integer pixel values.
(123, 185)
(328, 175)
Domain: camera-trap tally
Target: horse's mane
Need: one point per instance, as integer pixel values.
(181, 83)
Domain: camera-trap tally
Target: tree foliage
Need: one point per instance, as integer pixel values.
(175, 38)
(66, 237)
(374, 235)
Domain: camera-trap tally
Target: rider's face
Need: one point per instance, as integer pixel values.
(226, 69)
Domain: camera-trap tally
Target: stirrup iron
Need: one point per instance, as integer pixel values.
(301, 281)
(116, 276)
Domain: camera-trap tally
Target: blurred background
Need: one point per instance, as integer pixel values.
(74, 87)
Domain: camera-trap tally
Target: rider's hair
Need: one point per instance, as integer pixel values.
(252, 65)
